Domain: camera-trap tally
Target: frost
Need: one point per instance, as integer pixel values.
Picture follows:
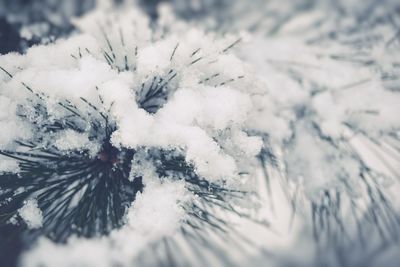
(31, 214)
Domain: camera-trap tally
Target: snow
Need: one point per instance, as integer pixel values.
(70, 140)
(202, 120)
(8, 166)
(156, 213)
(16, 129)
(31, 214)
(324, 95)
(322, 166)
(319, 91)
